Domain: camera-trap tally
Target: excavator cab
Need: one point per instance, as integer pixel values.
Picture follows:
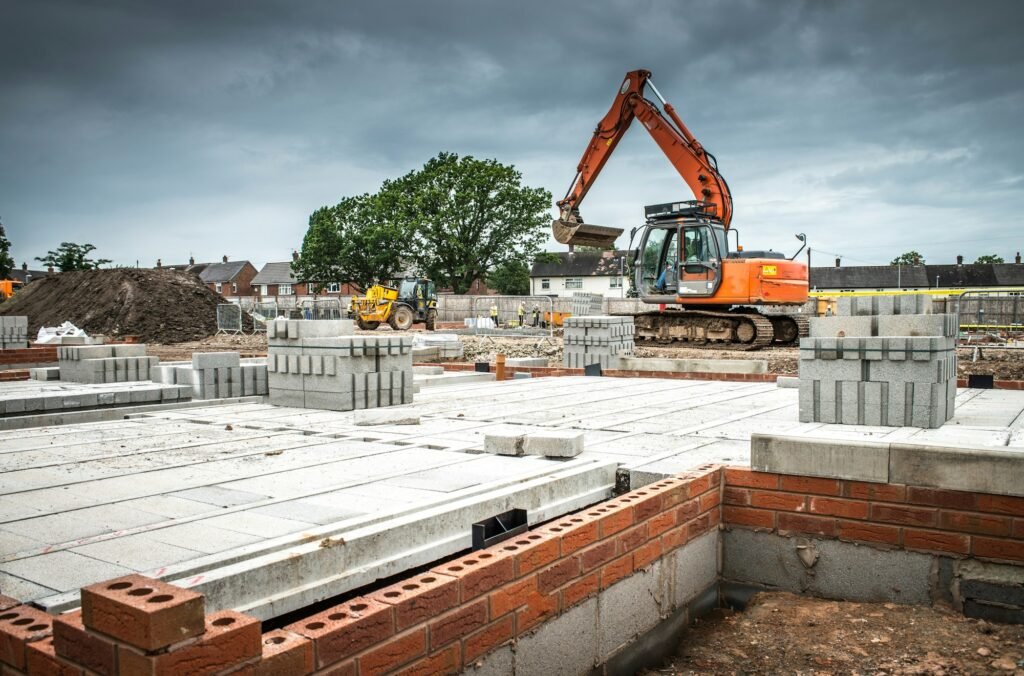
(680, 254)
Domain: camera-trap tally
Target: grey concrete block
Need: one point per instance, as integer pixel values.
(694, 568)
(630, 608)
(567, 644)
(373, 417)
(820, 457)
(839, 327)
(129, 350)
(554, 443)
(214, 360)
(505, 444)
(945, 325)
(985, 470)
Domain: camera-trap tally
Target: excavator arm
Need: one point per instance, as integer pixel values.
(695, 165)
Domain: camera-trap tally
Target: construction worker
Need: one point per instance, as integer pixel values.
(494, 314)
(522, 314)
(536, 315)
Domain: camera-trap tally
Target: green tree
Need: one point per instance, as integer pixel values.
(467, 216)
(71, 256)
(349, 242)
(909, 258)
(6, 262)
(511, 278)
(990, 259)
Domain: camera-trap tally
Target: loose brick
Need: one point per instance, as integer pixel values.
(731, 495)
(538, 608)
(850, 509)
(557, 574)
(996, 548)
(739, 476)
(938, 497)
(142, 612)
(419, 598)
(646, 554)
(481, 572)
(908, 516)
(858, 531)
(981, 524)
(869, 491)
(487, 639)
(745, 516)
(633, 538)
(457, 624)
(580, 589)
(230, 640)
(285, 652)
(786, 502)
(447, 661)
(807, 484)
(395, 652)
(20, 626)
(1001, 504)
(511, 596)
(803, 523)
(535, 550)
(75, 643)
(43, 660)
(616, 570)
(934, 541)
(597, 555)
(344, 630)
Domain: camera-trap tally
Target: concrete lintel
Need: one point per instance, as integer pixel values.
(810, 456)
(690, 365)
(986, 470)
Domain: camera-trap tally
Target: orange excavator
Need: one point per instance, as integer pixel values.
(683, 258)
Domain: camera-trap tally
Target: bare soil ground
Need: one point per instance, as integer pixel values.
(781, 633)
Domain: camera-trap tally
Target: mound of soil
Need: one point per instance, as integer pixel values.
(162, 306)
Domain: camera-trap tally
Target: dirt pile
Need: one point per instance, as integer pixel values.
(161, 306)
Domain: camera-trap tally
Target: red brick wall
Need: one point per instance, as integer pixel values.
(29, 355)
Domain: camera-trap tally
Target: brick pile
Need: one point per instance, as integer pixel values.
(13, 333)
(104, 363)
(321, 365)
(884, 360)
(596, 339)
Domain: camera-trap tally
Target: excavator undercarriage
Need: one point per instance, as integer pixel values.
(738, 328)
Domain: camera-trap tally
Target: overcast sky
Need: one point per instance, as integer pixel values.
(210, 128)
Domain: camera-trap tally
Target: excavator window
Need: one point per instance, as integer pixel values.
(660, 260)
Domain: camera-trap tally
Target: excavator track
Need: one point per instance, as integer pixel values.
(789, 329)
(704, 329)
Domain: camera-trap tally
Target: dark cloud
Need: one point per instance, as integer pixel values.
(162, 129)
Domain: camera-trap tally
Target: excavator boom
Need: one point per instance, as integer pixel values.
(695, 165)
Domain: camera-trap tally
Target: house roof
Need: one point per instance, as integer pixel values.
(916, 276)
(221, 272)
(581, 264)
(275, 273)
(20, 275)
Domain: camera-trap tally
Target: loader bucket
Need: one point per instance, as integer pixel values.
(584, 234)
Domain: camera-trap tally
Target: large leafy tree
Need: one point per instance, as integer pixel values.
(6, 262)
(350, 242)
(990, 259)
(467, 217)
(511, 278)
(71, 256)
(908, 258)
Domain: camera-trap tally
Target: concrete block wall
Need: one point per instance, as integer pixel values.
(885, 360)
(597, 339)
(321, 365)
(104, 363)
(13, 333)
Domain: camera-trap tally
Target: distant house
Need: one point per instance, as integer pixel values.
(228, 278)
(24, 275)
(277, 279)
(918, 277)
(599, 272)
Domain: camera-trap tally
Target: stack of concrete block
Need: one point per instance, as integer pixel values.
(104, 363)
(883, 360)
(13, 333)
(216, 375)
(597, 339)
(439, 346)
(322, 365)
(586, 304)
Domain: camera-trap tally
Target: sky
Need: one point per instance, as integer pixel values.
(207, 128)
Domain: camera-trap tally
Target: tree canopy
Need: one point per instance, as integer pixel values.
(990, 259)
(71, 256)
(511, 278)
(6, 262)
(908, 258)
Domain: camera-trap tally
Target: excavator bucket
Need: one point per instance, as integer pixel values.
(584, 234)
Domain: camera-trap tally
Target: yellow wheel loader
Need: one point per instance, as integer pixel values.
(406, 302)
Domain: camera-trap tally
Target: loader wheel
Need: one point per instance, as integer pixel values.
(401, 318)
(431, 319)
(365, 325)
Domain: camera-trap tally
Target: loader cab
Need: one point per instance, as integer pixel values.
(680, 254)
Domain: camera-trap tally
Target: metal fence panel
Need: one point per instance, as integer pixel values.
(229, 318)
(508, 316)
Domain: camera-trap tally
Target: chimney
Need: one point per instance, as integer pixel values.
(191, 260)
(24, 266)
(158, 264)
(295, 255)
(837, 262)
(49, 269)
(224, 259)
(1017, 259)
(959, 260)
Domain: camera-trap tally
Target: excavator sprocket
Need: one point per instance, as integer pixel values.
(789, 329)
(704, 329)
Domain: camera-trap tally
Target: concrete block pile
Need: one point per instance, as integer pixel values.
(597, 339)
(438, 346)
(883, 360)
(104, 363)
(322, 365)
(586, 304)
(216, 375)
(13, 333)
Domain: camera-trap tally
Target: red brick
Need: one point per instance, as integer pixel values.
(744, 516)
(646, 554)
(285, 652)
(850, 509)
(395, 652)
(557, 574)
(731, 495)
(75, 643)
(982, 524)
(344, 669)
(579, 589)
(908, 516)
(938, 497)
(577, 532)
(1001, 504)
(230, 640)
(481, 571)
(487, 639)
(8, 602)
(996, 548)
(511, 596)
(673, 538)
(457, 624)
(616, 570)
(20, 626)
(661, 522)
(934, 541)
(419, 598)
(535, 550)
(701, 484)
(715, 517)
(344, 630)
(614, 519)
(807, 484)
(698, 526)
(633, 538)
(688, 510)
(802, 523)
(710, 500)
(42, 660)
(597, 555)
(645, 503)
(869, 491)
(538, 608)
(786, 502)
(447, 661)
(858, 531)
(739, 476)
(142, 612)
(673, 491)
(1018, 528)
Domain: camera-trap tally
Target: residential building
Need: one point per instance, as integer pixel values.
(277, 279)
(228, 278)
(24, 275)
(918, 277)
(598, 272)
